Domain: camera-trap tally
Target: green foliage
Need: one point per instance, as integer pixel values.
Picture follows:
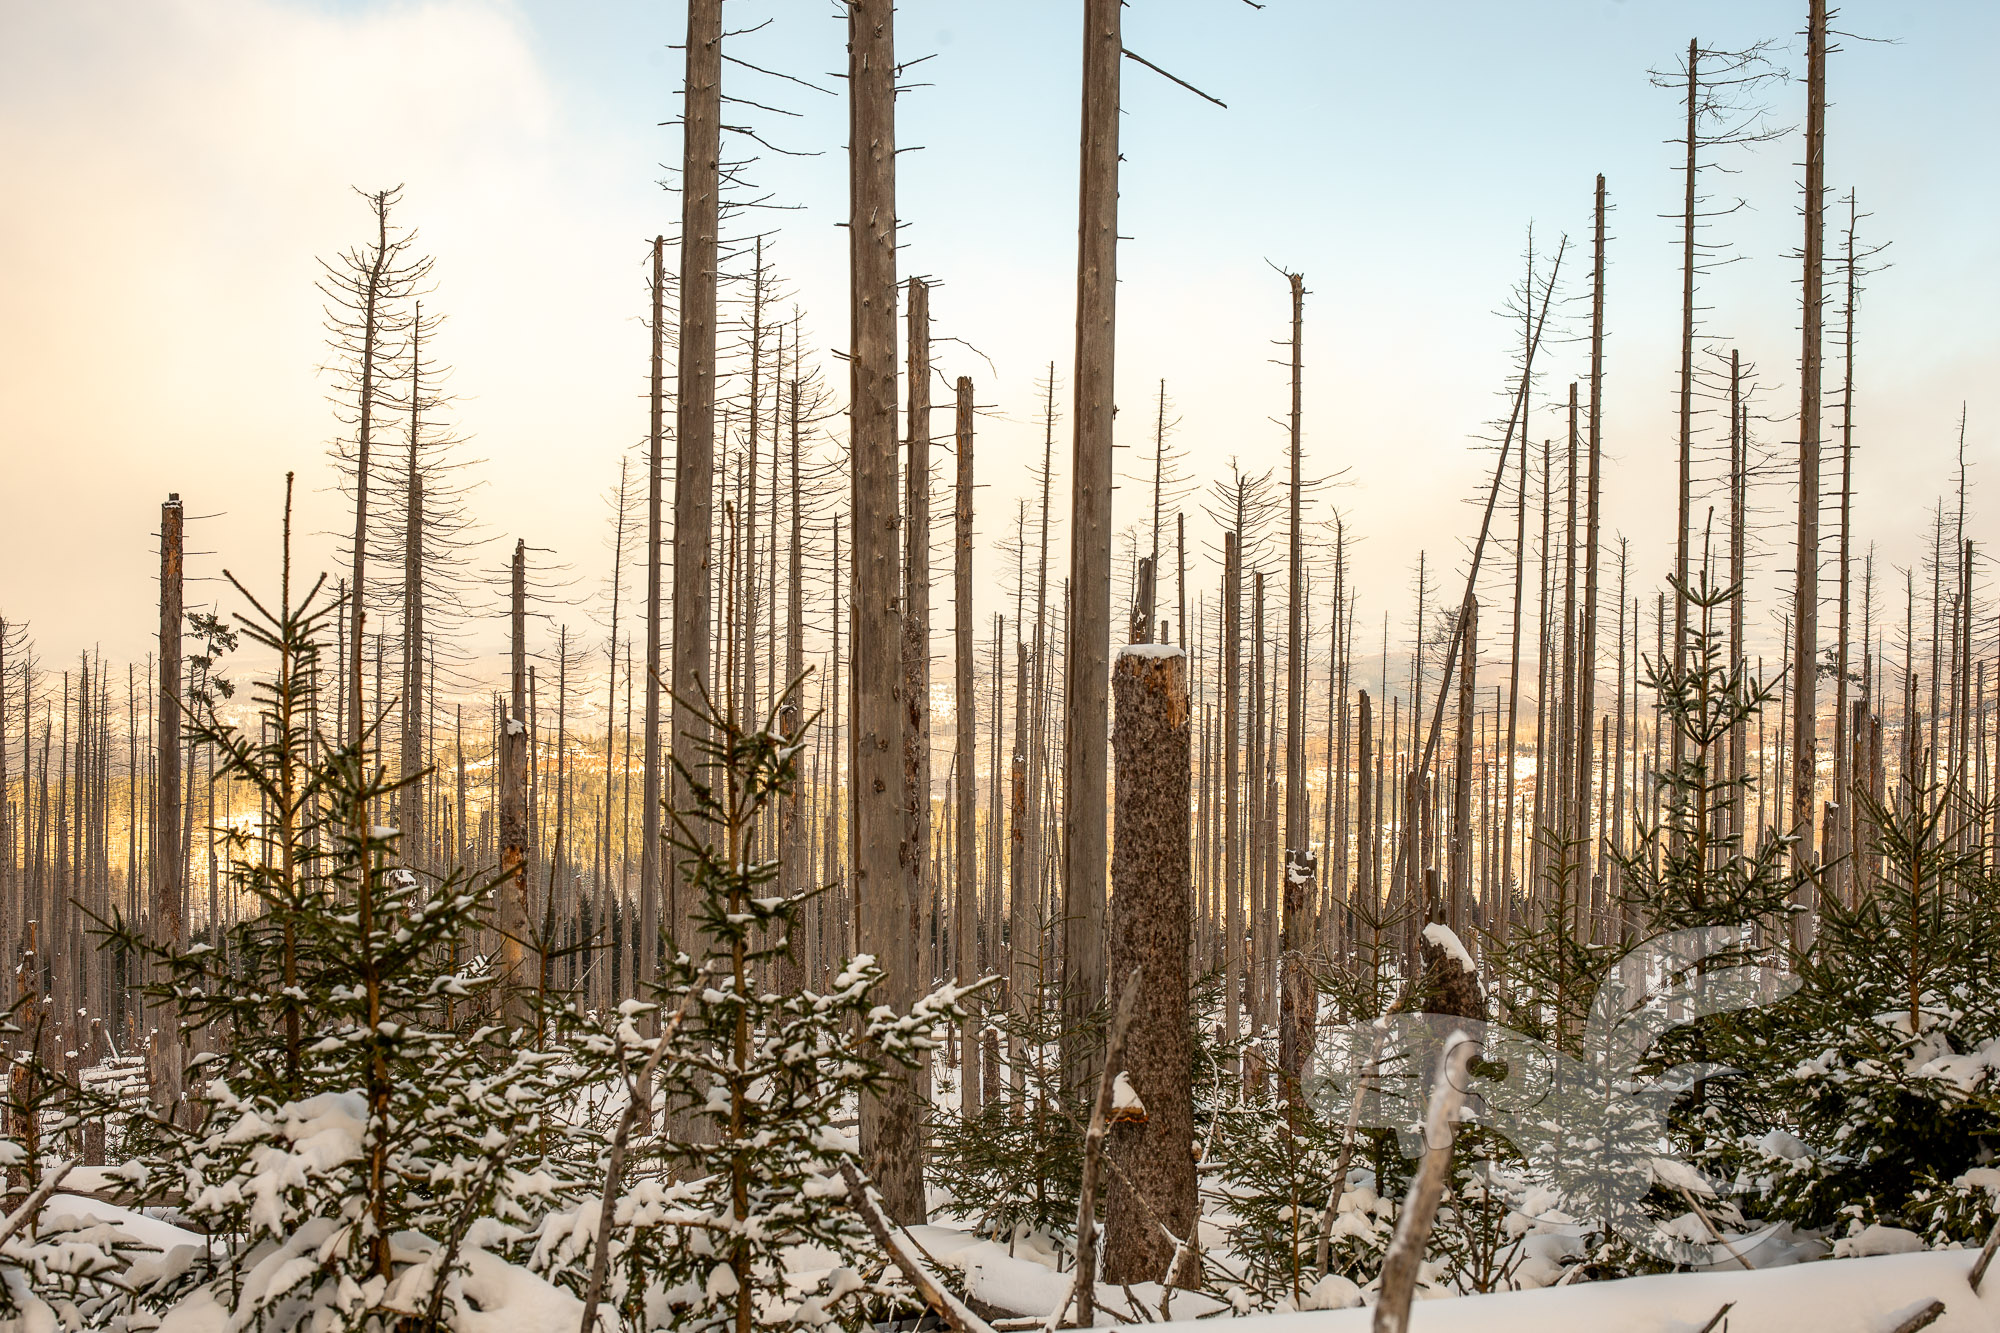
(1881, 1079)
(352, 1153)
(706, 1219)
(1016, 1168)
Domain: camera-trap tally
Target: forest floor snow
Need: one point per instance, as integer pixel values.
(1861, 1295)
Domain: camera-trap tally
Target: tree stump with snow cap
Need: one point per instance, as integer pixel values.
(1152, 1134)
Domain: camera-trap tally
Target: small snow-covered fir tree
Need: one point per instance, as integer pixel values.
(1883, 1077)
(359, 1162)
(1015, 1170)
(713, 1229)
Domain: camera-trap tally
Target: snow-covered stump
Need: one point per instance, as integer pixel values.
(1152, 1135)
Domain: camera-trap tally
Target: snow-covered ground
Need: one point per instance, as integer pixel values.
(1833, 1296)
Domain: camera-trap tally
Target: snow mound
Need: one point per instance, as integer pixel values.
(1832, 1296)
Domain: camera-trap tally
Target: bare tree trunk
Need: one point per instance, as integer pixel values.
(1738, 519)
(1805, 598)
(1843, 735)
(514, 916)
(1586, 662)
(1364, 807)
(965, 710)
(650, 851)
(694, 446)
(891, 1132)
(916, 626)
(169, 886)
(796, 861)
(1150, 938)
(1021, 889)
(1682, 530)
(1232, 784)
(1461, 791)
(1301, 890)
(357, 585)
(1086, 663)
(410, 759)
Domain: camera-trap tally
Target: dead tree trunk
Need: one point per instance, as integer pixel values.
(514, 917)
(1843, 733)
(965, 709)
(1232, 785)
(1805, 597)
(1086, 664)
(694, 433)
(1586, 656)
(650, 850)
(410, 756)
(891, 1132)
(1301, 889)
(1461, 787)
(169, 889)
(916, 626)
(797, 861)
(1150, 938)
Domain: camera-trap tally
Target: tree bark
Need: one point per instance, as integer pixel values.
(169, 889)
(514, 916)
(919, 881)
(694, 445)
(891, 1132)
(965, 710)
(1087, 665)
(1805, 597)
(1150, 934)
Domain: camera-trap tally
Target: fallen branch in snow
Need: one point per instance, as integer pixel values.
(638, 1101)
(1717, 1317)
(1923, 1318)
(1413, 1228)
(1986, 1256)
(1083, 1278)
(1713, 1234)
(20, 1216)
(949, 1308)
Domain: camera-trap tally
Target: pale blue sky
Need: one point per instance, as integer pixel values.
(187, 161)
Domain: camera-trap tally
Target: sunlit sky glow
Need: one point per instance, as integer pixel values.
(174, 169)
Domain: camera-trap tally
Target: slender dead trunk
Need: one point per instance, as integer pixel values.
(1805, 598)
(410, 759)
(1295, 1008)
(1460, 885)
(1587, 636)
(514, 915)
(1232, 783)
(651, 853)
(916, 589)
(1685, 492)
(1843, 736)
(965, 711)
(694, 443)
(1087, 663)
(891, 1130)
(169, 867)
